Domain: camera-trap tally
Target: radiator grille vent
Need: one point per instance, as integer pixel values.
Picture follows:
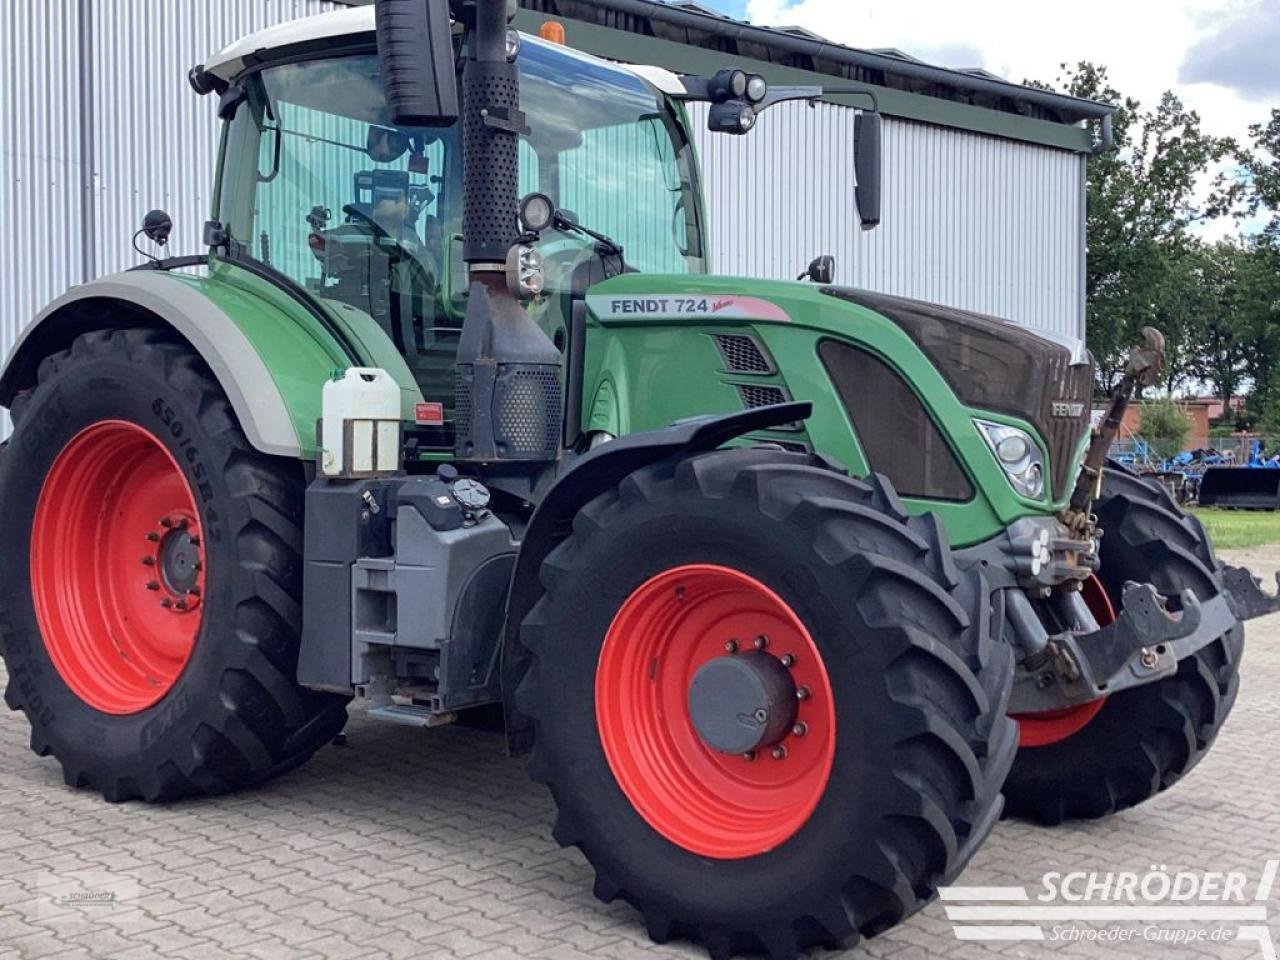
(760, 395)
(742, 354)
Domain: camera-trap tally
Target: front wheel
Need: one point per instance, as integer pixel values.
(150, 606)
(766, 703)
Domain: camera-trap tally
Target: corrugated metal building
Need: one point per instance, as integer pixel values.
(983, 203)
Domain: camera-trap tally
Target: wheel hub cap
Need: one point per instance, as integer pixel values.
(742, 703)
(179, 559)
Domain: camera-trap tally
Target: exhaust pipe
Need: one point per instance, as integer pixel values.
(509, 395)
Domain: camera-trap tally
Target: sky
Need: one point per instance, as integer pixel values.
(1221, 56)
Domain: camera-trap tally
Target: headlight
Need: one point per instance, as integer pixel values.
(1018, 455)
(525, 279)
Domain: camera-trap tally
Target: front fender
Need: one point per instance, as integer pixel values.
(597, 471)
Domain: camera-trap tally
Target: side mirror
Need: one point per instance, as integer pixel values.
(866, 165)
(157, 226)
(415, 53)
(822, 270)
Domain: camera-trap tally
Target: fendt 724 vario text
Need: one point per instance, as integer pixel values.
(787, 589)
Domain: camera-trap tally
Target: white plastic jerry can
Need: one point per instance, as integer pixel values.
(360, 424)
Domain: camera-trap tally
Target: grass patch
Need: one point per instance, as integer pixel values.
(1238, 529)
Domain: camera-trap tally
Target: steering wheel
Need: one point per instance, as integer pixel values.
(379, 231)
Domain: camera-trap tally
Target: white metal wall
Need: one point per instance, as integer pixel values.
(968, 221)
(40, 224)
(153, 140)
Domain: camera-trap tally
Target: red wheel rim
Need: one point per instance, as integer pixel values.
(710, 803)
(1054, 726)
(117, 567)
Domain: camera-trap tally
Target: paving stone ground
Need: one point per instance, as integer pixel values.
(435, 845)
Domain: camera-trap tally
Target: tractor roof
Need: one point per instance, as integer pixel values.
(342, 27)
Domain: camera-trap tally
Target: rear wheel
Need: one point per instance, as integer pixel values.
(150, 621)
(1139, 742)
(767, 714)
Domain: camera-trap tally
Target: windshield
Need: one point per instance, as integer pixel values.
(317, 182)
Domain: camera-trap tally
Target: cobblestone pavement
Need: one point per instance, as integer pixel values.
(412, 844)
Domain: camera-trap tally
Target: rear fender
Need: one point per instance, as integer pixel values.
(271, 364)
(153, 299)
(599, 470)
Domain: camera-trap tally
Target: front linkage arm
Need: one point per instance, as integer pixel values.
(1145, 364)
(1146, 642)
(1247, 593)
(1143, 369)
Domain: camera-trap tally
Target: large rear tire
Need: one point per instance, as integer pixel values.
(1141, 741)
(876, 790)
(150, 608)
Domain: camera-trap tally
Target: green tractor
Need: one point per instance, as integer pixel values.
(787, 589)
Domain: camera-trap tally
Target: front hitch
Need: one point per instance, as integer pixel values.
(1145, 643)
(1247, 593)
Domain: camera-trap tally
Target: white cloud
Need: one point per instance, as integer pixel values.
(1142, 43)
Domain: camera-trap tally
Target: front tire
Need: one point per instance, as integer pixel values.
(1141, 741)
(150, 611)
(764, 564)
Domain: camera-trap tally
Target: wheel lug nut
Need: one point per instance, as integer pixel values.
(731, 646)
(193, 592)
(148, 561)
(749, 756)
(788, 660)
(779, 752)
(760, 642)
(802, 693)
(166, 603)
(800, 729)
(194, 541)
(181, 605)
(166, 523)
(153, 585)
(153, 537)
(183, 524)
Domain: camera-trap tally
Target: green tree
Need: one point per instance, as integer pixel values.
(1262, 165)
(1165, 424)
(1141, 199)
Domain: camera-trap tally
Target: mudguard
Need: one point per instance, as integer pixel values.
(599, 470)
(270, 360)
(229, 353)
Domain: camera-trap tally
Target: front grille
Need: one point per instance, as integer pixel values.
(992, 364)
(742, 354)
(1065, 384)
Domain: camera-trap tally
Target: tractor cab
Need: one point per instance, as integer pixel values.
(318, 183)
